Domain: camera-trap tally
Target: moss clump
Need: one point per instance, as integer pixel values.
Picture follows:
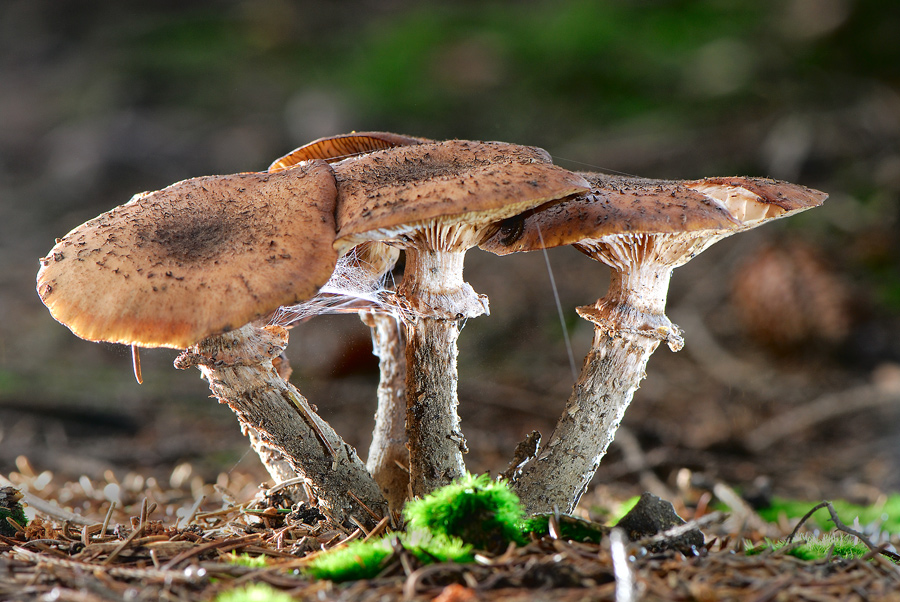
(259, 592)
(815, 548)
(356, 560)
(11, 507)
(475, 509)
(365, 560)
(444, 526)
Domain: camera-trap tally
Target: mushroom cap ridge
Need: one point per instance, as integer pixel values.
(337, 148)
(198, 258)
(385, 193)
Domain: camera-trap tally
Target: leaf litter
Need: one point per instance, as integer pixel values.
(145, 539)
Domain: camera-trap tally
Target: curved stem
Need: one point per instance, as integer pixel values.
(238, 366)
(612, 372)
(629, 323)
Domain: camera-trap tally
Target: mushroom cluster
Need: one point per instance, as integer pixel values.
(205, 264)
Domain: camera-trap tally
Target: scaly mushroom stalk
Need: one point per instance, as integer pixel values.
(388, 457)
(356, 286)
(238, 366)
(434, 287)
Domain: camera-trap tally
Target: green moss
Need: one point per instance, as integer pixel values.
(365, 560)
(475, 509)
(444, 526)
(356, 560)
(816, 548)
(11, 507)
(247, 560)
(259, 592)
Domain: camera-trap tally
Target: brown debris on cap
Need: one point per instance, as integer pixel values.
(201, 257)
(615, 205)
(336, 148)
(386, 193)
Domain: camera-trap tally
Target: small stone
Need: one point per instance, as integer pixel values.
(652, 515)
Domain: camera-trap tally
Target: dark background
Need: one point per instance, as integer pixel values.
(100, 100)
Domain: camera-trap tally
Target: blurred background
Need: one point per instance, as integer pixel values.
(790, 377)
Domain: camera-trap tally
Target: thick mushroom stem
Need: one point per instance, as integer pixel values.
(439, 298)
(388, 459)
(433, 285)
(629, 323)
(238, 366)
(436, 442)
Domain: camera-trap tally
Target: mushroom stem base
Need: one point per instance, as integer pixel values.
(612, 372)
(388, 460)
(238, 366)
(436, 443)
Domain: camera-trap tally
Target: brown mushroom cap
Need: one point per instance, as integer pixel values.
(385, 194)
(201, 257)
(626, 205)
(336, 148)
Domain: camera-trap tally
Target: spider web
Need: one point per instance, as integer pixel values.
(354, 286)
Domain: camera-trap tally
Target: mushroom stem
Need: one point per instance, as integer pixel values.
(238, 366)
(436, 443)
(612, 372)
(629, 323)
(636, 302)
(433, 283)
(388, 460)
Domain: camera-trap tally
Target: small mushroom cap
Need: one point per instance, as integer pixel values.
(201, 257)
(336, 148)
(626, 205)
(387, 193)
(615, 205)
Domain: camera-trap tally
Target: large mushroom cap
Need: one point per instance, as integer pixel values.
(201, 257)
(336, 148)
(386, 193)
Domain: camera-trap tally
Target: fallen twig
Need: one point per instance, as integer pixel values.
(844, 528)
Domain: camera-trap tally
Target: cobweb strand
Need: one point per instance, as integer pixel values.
(352, 288)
